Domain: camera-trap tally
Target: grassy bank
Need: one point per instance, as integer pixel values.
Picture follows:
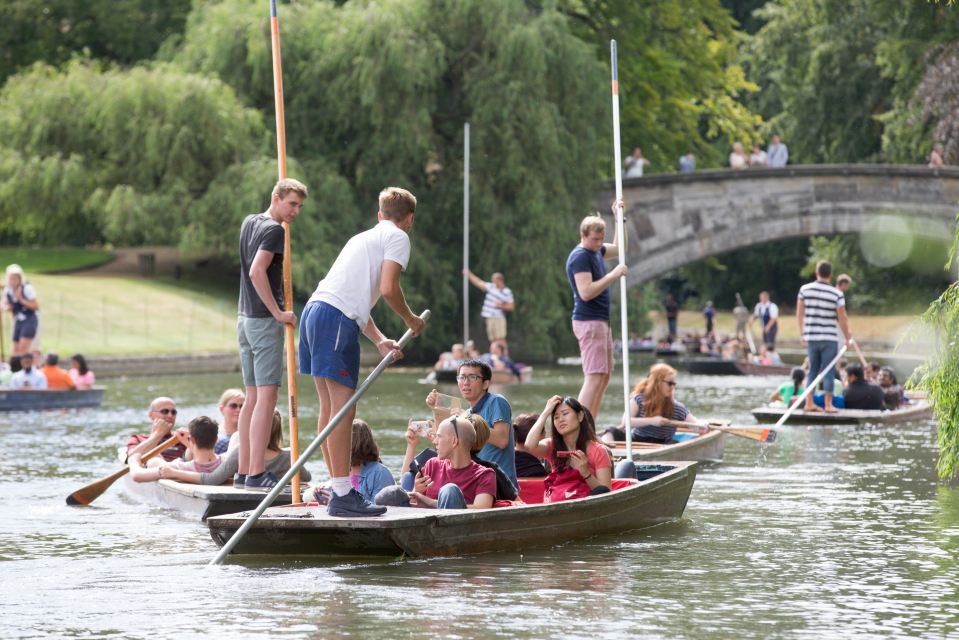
(36, 261)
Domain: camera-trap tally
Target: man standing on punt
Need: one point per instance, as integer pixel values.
(821, 311)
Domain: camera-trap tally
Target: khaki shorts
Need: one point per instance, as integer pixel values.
(261, 350)
(496, 328)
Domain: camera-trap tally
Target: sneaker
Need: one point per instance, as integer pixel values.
(239, 481)
(352, 505)
(264, 483)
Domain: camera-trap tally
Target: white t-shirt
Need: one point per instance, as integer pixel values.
(494, 296)
(761, 308)
(353, 282)
(28, 292)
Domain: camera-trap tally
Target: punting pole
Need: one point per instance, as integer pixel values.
(809, 388)
(310, 450)
(466, 232)
(287, 257)
(621, 235)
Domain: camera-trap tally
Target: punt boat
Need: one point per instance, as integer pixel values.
(720, 367)
(308, 530)
(500, 376)
(918, 410)
(194, 500)
(44, 399)
(707, 447)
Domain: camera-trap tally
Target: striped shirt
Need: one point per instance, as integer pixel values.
(821, 319)
(656, 432)
(494, 296)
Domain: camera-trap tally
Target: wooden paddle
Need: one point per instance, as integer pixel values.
(760, 433)
(91, 492)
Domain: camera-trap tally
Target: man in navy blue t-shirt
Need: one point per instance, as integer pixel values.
(586, 271)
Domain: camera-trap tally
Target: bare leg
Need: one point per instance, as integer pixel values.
(23, 346)
(246, 416)
(828, 404)
(591, 395)
(341, 438)
(260, 425)
(325, 404)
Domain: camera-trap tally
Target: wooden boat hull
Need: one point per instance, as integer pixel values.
(708, 447)
(45, 399)
(305, 530)
(918, 411)
(718, 367)
(499, 376)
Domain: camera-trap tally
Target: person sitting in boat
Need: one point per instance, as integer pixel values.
(499, 360)
(80, 373)
(838, 390)
(652, 408)
(6, 372)
(57, 377)
(789, 390)
(581, 463)
(892, 391)
(861, 393)
(872, 372)
(451, 359)
(162, 413)
(451, 480)
(231, 402)
(527, 465)
(473, 380)
(29, 377)
(200, 437)
(276, 461)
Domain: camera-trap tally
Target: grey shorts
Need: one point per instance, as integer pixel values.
(261, 350)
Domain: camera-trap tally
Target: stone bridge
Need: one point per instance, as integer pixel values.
(683, 218)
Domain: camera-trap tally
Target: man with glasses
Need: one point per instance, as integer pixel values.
(163, 414)
(473, 379)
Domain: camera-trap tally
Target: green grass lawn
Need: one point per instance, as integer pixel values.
(36, 261)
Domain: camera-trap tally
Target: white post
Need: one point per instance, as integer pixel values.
(621, 239)
(466, 231)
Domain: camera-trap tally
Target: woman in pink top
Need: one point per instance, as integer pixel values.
(80, 373)
(573, 443)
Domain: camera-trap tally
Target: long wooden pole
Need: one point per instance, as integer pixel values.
(621, 249)
(287, 257)
(466, 232)
(310, 450)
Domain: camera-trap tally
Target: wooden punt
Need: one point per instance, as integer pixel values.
(720, 367)
(500, 376)
(194, 500)
(707, 447)
(45, 399)
(308, 530)
(919, 410)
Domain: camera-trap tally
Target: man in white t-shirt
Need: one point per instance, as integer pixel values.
(368, 266)
(768, 314)
(498, 300)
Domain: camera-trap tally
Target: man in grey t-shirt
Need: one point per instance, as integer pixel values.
(259, 327)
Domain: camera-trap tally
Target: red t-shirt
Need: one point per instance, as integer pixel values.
(597, 456)
(472, 480)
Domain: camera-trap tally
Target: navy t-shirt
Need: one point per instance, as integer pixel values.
(581, 260)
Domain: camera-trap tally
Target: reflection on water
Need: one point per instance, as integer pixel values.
(829, 532)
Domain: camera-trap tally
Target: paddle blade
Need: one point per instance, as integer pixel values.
(761, 434)
(91, 492)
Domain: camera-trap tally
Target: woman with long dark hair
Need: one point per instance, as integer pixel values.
(573, 450)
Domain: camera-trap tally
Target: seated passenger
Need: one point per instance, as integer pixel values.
(28, 377)
(451, 480)
(231, 402)
(80, 373)
(527, 465)
(451, 359)
(862, 394)
(367, 472)
(838, 402)
(872, 372)
(789, 390)
(57, 377)
(772, 356)
(163, 414)
(652, 408)
(6, 375)
(893, 393)
(581, 463)
(200, 438)
(276, 459)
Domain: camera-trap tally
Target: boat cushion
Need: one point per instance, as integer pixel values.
(683, 436)
(531, 489)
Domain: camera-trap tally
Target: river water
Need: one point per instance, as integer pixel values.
(830, 532)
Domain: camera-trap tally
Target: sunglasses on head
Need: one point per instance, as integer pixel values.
(167, 412)
(456, 431)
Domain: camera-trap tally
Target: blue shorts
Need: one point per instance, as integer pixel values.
(26, 328)
(329, 344)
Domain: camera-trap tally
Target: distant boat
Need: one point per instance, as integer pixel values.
(308, 531)
(720, 367)
(708, 447)
(44, 399)
(918, 410)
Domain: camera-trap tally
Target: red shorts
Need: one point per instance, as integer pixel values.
(595, 345)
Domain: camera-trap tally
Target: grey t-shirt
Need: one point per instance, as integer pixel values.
(231, 464)
(260, 231)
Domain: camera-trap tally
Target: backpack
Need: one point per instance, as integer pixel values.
(564, 483)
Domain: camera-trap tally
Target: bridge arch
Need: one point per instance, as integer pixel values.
(679, 219)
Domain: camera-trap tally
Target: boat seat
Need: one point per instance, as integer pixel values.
(531, 490)
(683, 436)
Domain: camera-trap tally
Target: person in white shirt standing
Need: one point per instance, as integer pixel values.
(777, 153)
(368, 266)
(498, 300)
(821, 312)
(768, 314)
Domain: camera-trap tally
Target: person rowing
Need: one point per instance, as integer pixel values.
(652, 407)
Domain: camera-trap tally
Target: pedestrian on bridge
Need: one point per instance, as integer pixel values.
(778, 153)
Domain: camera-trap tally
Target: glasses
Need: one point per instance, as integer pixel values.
(235, 405)
(456, 432)
(472, 377)
(671, 383)
(167, 412)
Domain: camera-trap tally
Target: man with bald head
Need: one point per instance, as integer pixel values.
(451, 480)
(162, 413)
